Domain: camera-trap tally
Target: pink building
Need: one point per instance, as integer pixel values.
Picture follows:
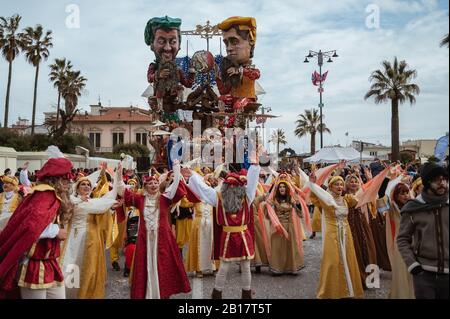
(108, 126)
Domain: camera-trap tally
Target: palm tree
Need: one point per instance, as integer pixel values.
(36, 51)
(57, 75)
(394, 83)
(72, 86)
(278, 137)
(11, 43)
(309, 123)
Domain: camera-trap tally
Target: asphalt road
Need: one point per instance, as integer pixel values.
(265, 286)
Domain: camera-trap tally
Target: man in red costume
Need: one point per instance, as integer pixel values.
(235, 222)
(158, 270)
(30, 243)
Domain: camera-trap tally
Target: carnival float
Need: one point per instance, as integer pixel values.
(220, 91)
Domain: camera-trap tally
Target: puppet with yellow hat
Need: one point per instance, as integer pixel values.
(236, 81)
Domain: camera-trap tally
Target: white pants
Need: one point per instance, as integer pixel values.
(246, 276)
(50, 293)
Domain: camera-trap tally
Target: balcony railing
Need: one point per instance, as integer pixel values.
(103, 149)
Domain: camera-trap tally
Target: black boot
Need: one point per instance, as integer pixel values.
(216, 294)
(258, 269)
(247, 294)
(126, 272)
(313, 235)
(116, 266)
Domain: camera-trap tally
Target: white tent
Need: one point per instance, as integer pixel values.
(335, 154)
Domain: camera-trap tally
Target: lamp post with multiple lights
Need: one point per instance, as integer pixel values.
(321, 56)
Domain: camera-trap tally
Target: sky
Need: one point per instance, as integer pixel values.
(104, 39)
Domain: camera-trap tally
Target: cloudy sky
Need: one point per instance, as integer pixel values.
(108, 47)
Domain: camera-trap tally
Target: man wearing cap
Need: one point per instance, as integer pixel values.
(163, 35)
(9, 199)
(236, 81)
(423, 235)
(234, 223)
(30, 243)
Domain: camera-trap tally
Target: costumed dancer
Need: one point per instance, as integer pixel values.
(200, 252)
(234, 221)
(182, 215)
(121, 221)
(262, 225)
(339, 272)
(397, 194)
(358, 220)
(284, 210)
(130, 215)
(85, 246)
(9, 199)
(30, 243)
(158, 271)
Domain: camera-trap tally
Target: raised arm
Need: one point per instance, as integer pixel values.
(252, 182)
(24, 175)
(319, 197)
(206, 193)
(172, 189)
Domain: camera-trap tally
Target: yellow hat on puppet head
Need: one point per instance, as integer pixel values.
(243, 23)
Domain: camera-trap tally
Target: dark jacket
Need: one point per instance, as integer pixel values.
(424, 234)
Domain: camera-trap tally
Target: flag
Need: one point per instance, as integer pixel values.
(316, 78)
(324, 76)
(260, 120)
(441, 147)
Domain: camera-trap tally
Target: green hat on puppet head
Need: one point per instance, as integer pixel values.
(160, 23)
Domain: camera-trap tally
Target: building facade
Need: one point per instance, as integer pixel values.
(108, 126)
(376, 150)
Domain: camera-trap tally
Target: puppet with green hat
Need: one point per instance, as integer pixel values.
(163, 35)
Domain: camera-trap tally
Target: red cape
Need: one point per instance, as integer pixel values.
(172, 275)
(34, 214)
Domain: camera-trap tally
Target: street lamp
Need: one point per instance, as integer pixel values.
(320, 58)
(268, 110)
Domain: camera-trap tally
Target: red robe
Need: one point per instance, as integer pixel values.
(234, 245)
(172, 275)
(20, 238)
